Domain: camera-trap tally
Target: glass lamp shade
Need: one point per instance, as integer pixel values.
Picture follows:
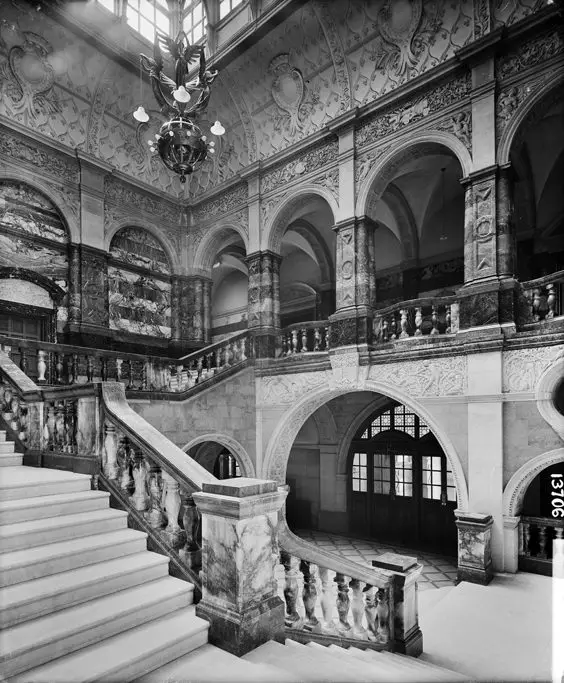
(181, 94)
(217, 129)
(181, 147)
(141, 115)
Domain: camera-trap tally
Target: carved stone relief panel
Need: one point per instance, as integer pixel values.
(346, 274)
(523, 368)
(460, 125)
(225, 203)
(94, 288)
(446, 376)
(508, 12)
(524, 56)
(511, 98)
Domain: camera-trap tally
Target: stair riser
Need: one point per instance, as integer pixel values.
(97, 589)
(39, 655)
(3, 435)
(7, 446)
(47, 489)
(54, 510)
(65, 563)
(14, 460)
(65, 533)
(144, 665)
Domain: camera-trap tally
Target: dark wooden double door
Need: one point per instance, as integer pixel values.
(402, 491)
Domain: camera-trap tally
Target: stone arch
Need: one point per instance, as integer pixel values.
(276, 224)
(245, 462)
(543, 98)
(399, 206)
(546, 388)
(68, 214)
(326, 425)
(318, 245)
(212, 242)
(517, 486)
(52, 288)
(280, 443)
(412, 146)
(172, 253)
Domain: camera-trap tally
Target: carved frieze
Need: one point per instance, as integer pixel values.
(121, 193)
(413, 110)
(484, 228)
(223, 204)
(460, 125)
(287, 389)
(94, 288)
(536, 51)
(523, 368)
(310, 161)
(364, 162)
(446, 376)
(510, 99)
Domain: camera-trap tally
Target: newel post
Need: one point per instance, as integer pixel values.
(239, 590)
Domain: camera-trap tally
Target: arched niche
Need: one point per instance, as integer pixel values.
(206, 448)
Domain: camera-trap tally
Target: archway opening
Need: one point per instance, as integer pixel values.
(230, 286)
(384, 478)
(217, 459)
(542, 520)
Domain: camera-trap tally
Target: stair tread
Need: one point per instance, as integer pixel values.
(36, 589)
(43, 553)
(13, 477)
(422, 665)
(101, 660)
(52, 499)
(363, 671)
(50, 628)
(47, 523)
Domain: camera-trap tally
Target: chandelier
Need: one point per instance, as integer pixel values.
(180, 142)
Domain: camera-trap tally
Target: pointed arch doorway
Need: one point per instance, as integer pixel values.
(400, 486)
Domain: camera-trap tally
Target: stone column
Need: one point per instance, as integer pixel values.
(506, 243)
(175, 325)
(207, 320)
(474, 547)
(239, 555)
(408, 638)
(75, 297)
(264, 301)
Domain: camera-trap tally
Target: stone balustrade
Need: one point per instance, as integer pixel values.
(544, 297)
(14, 410)
(536, 535)
(307, 337)
(416, 318)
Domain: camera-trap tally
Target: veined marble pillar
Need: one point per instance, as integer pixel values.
(175, 324)
(94, 292)
(264, 301)
(75, 297)
(474, 547)
(239, 591)
(207, 320)
(506, 243)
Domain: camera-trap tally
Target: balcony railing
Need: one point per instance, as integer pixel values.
(417, 318)
(307, 337)
(544, 297)
(536, 536)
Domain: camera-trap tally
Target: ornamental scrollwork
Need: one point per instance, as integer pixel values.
(120, 193)
(460, 125)
(512, 98)
(222, 204)
(540, 49)
(429, 377)
(303, 164)
(522, 368)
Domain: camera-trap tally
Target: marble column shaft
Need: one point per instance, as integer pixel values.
(506, 243)
(75, 298)
(207, 318)
(175, 324)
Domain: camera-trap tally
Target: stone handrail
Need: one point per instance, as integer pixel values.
(429, 316)
(536, 535)
(545, 296)
(307, 337)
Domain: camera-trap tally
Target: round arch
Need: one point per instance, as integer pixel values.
(517, 486)
(245, 462)
(280, 443)
(326, 425)
(543, 96)
(318, 246)
(170, 251)
(212, 241)
(68, 214)
(409, 148)
(277, 224)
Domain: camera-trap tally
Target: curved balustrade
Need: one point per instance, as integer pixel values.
(544, 297)
(307, 337)
(417, 318)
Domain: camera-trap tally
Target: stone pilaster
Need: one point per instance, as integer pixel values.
(474, 547)
(239, 555)
(207, 322)
(264, 301)
(75, 296)
(175, 325)
(95, 292)
(506, 242)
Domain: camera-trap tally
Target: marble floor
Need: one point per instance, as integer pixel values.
(438, 570)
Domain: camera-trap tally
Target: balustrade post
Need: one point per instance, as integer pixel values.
(418, 321)
(382, 616)
(119, 373)
(474, 547)
(357, 609)
(327, 601)
(243, 346)
(124, 458)
(550, 300)
(89, 369)
(191, 553)
(304, 348)
(104, 369)
(526, 539)
(327, 338)
(542, 541)
(434, 321)
(370, 611)
(23, 360)
(343, 602)
(171, 498)
(41, 366)
(316, 339)
(448, 319)
(291, 576)
(294, 341)
(139, 499)
(403, 324)
(110, 468)
(155, 514)
(59, 367)
(309, 594)
(536, 304)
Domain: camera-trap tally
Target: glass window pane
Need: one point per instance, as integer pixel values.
(147, 9)
(365, 434)
(108, 4)
(408, 490)
(386, 486)
(377, 487)
(436, 462)
(362, 458)
(363, 487)
(355, 459)
(162, 3)
(407, 475)
(163, 22)
(134, 4)
(133, 19)
(426, 491)
(147, 29)
(355, 472)
(451, 495)
(426, 477)
(356, 485)
(449, 478)
(197, 14)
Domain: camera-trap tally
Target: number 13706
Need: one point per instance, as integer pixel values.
(557, 495)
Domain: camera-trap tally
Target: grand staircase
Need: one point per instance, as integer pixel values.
(82, 599)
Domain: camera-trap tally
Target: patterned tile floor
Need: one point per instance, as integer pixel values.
(438, 570)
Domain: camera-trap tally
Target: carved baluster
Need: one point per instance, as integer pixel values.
(309, 594)
(15, 411)
(48, 426)
(403, 324)
(104, 369)
(327, 338)
(542, 542)
(228, 355)
(550, 301)
(89, 368)
(559, 532)
(59, 366)
(243, 349)
(7, 407)
(382, 615)
(125, 462)
(291, 575)
(155, 514)
(536, 304)
(385, 333)
(200, 368)
(171, 499)
(393, 326)
(23, 360)
(304, 340)
(448, 319)
(139, 499)
(191, 552)
(526, 539)
(287, 343)
(316, 339)
(209, 363)
(60, 426)
(294, 341)
(73, 369)
(418, 321)
(434, 321)
(370, 611)
(70, 427)
(41, 366)
(145, 374)
(327, 602)
(343, 602)
(23, 419)
(119, 371)
(218, 359)
(111, 469)
(357, 609)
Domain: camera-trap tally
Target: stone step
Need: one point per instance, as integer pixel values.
(2, 435)
(402, 670)
(33, 643)
(129, 655)
(39, 532)
(361, 671)
(31, 482)
(11, 459)
(34, 563)
(7, 447)
(18, 510)
(32, 599)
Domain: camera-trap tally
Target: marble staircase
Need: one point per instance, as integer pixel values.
(81, 597)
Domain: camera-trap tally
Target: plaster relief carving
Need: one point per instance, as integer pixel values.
(219, 206)
(288, 90)
(398, 22)
(522, 368)
(536, 51)
(437, 377)
(287, 389)
(460, 125)
(510, 100)
(365, 162)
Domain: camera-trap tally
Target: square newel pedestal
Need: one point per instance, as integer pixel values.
(408, 638)
(239, 591)
(474, 547)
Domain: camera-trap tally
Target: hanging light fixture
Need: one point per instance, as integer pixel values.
(180, 142)
(140, 114)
